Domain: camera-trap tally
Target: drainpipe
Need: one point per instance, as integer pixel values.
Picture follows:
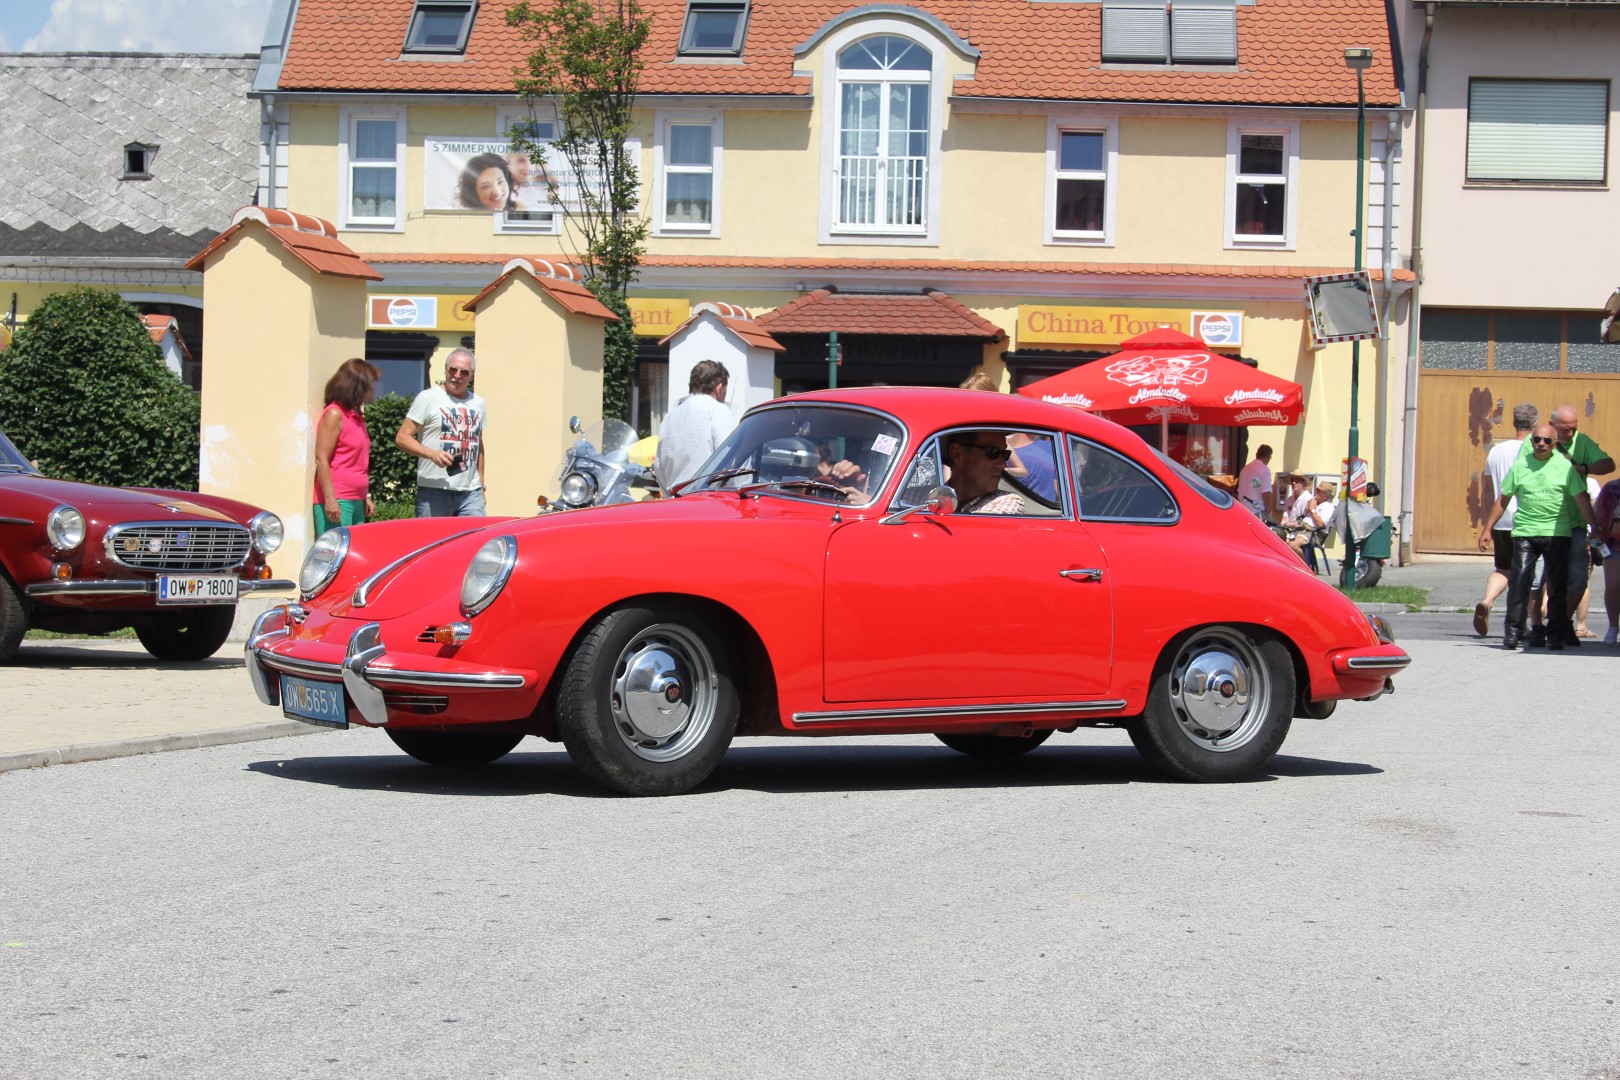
(269, 108)
(1415, 321)
(1392, 134)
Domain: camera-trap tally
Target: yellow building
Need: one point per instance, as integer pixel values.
(1009, 186)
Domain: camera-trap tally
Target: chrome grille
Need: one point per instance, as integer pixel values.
(178, 547)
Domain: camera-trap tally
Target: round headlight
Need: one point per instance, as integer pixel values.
(578, 489)
(64, 528)
(486, 574)
(267, 531)
(323, 561)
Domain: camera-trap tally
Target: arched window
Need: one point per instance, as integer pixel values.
(883, 144)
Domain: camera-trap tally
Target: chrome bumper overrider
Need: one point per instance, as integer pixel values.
(133, 588)
(359, 672)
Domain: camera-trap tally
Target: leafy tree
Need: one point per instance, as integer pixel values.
(393, 471)
(85, 394)
(587, 62)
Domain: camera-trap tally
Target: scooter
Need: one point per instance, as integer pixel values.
(1364, 525)
(597, 470)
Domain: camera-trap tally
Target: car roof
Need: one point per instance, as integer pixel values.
(929, 408)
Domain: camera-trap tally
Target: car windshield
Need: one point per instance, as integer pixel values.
(825, 452)
(11, 459)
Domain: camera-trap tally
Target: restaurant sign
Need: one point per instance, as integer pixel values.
(1051, 324)
(421, 312)
(657, 317)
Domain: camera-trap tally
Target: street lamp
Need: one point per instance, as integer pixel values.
(1358, 60)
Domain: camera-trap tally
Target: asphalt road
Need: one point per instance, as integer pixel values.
(1425, 886)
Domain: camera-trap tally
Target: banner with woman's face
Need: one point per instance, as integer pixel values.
(486, 175)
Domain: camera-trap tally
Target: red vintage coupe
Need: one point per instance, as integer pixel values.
(87, 559)
(823, 577)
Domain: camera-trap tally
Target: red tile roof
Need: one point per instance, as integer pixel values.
(312, 240)
(931, 312)
(1290, 52)
(941, 266)
(159, 326)
(558, 282)
(736, 320)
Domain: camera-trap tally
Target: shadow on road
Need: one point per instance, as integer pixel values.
(783, 770)
(51, 655)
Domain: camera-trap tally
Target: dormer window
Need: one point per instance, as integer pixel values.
(1180, 32)
(440, 26)
(714, 28)
(138, 161)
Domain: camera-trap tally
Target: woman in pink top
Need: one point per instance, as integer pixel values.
(343, 448)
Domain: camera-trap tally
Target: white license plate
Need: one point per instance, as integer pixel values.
(197, 589)
(314, 702)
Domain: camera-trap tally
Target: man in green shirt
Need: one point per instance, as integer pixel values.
(1547, 485)
(1589, 459)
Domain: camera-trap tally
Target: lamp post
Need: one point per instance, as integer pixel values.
(1357, 60)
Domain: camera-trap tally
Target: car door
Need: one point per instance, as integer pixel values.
(968, 607)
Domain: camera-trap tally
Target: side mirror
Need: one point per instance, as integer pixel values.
(574, 425)
(941, 501)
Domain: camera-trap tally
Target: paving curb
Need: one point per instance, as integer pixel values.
(152, 744)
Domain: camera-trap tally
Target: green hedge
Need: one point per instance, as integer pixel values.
(393, 471)
(85, 394)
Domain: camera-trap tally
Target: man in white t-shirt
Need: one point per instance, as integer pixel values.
(1503, 453)
(444, 429)
(1254, 485)
(696, 426)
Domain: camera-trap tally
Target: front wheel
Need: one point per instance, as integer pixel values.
(647, 703)
(13, 619)
(190, 634)
(994, 746)
(1219, 707)
(455, 749)
(1368, 571)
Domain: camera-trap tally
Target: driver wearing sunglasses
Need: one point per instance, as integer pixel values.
(977, 460)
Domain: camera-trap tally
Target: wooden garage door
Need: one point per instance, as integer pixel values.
(1541, 358)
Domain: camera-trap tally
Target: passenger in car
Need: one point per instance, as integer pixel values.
(977, 460)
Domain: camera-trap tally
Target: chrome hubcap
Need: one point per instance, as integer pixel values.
(1219, 691)
(663, 693)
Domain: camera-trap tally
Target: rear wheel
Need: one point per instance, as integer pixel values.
(455, 749)
(13, 619)
(1368, 571)
(994, 746)
(1220, 706)
(189, 634)
(647, 703)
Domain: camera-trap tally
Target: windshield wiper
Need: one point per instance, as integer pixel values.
(803, 482)
(723, 474)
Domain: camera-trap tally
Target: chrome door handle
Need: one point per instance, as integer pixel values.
(1090, 574)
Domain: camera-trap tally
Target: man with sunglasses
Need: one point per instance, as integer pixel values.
(1545, 484)
(977, 460)
(444, 430)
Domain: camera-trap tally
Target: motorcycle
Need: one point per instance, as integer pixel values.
(597, 471)
(1366, 526)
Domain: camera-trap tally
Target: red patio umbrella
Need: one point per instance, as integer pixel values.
(1165, 375)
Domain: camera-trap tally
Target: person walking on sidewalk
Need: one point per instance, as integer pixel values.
(695, 426)
(445, 429)
(1545, 484)
(1504, 452)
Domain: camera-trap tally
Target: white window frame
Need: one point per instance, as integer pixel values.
(1109, 130)
(829, 231)
(1289, 130)
(348, 117)
(505, 226)
(661, 169)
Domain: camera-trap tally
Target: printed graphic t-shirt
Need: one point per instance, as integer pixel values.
(454, 425)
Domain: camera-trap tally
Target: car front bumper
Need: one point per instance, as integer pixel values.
(144, 587)
(366, 669)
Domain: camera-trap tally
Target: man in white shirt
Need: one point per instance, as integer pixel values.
(1503, 453)
(1254, 485)
(444, 429)
(698, 424)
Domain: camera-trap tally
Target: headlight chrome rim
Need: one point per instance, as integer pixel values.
(65, 528)
(487, 574)
(578, 488)
(322, 563)
(268, 532)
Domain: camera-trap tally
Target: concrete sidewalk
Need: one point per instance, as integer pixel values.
(65, 701)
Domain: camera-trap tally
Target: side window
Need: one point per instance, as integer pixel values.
(1113, 488)
(924, 476)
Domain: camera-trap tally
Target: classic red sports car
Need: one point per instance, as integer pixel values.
(88, 559)
(824, 577)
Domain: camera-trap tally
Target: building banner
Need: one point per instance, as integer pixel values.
(487, 176)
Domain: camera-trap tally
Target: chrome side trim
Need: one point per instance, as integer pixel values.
(15, 521)
(92, 588)
(957, 712)
(257, 585)
(1358, 663)
(362, 594)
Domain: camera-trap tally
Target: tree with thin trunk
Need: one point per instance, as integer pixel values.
(587, 64)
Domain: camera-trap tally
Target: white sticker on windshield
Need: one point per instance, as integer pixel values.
(884, 444)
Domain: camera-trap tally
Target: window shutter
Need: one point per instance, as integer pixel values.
(1203, 33)
(1522, 129)
(1135, 32)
